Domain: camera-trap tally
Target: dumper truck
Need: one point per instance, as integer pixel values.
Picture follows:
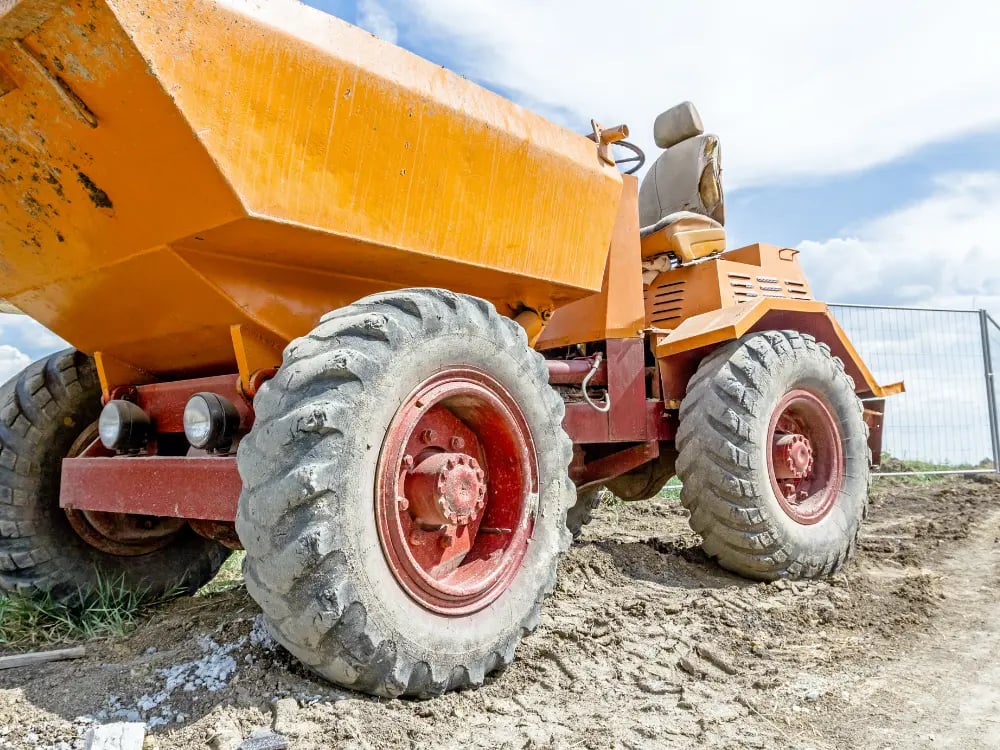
(386, 331)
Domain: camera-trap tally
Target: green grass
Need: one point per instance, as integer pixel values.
(671, 490)
(111, 609)
(613, 503)
(230, 576)
(891, 464)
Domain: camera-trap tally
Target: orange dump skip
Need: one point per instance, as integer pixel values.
(170, 168)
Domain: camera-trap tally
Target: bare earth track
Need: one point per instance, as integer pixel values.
(644, 644)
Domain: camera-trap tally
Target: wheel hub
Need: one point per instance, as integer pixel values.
(446, 489)
(793, 456)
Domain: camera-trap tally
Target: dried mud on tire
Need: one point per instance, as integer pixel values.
(645, 643)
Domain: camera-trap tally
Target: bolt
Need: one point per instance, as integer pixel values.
(427, 436)
(457, 443)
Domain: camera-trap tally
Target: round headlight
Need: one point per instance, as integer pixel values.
(123, 426)
(210, 421)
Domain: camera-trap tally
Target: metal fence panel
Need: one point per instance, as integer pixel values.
(992, 339)
(943, 418)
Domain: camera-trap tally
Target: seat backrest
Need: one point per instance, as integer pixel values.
(685, 177)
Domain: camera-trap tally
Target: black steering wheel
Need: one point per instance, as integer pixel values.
(637, 158)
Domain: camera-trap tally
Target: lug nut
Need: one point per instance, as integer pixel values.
(457, 443)
(427, 436)
(403, 503)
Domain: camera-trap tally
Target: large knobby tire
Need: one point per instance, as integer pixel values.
(745, 398)
(45, 414)
(318, 560)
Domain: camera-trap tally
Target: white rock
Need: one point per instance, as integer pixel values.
(118, 736)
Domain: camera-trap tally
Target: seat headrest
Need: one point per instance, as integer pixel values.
(677, 124)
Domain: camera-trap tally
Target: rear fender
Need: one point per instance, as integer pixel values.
(679, 351)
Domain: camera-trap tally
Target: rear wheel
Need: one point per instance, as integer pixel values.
(405, 493)
(47, 413)
(774, 457)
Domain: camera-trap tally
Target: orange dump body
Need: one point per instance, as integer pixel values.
(171, 168)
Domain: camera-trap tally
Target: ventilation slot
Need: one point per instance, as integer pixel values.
(667, 303)
(797, 289)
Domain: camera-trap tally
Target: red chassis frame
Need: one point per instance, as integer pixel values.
(207, 487)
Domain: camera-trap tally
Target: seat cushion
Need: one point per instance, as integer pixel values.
(685, 235)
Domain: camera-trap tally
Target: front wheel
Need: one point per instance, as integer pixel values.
(773, 454)
(405, 493)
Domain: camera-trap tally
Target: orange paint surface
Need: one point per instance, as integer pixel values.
(172, 168)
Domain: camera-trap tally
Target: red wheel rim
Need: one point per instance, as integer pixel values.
(805, 457)
(456, 492)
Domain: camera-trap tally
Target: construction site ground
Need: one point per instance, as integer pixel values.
(645, 643)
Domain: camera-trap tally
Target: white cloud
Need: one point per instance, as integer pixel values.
(375, 18)
(12, 361)
(29, 334)
(793, 88)
(941, 251)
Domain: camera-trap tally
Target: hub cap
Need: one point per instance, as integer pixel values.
(805, 460)
(456, 493)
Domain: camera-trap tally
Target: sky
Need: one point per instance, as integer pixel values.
(867, 135)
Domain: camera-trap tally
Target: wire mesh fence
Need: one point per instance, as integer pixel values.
(947, 418)
(991, 340)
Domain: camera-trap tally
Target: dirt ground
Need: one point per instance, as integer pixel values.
(644, 644)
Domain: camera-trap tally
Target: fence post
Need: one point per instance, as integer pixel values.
(984, 319)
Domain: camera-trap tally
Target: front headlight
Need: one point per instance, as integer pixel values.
(210, 421)
(123, 426)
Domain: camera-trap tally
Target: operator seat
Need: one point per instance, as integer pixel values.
(681, 203)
